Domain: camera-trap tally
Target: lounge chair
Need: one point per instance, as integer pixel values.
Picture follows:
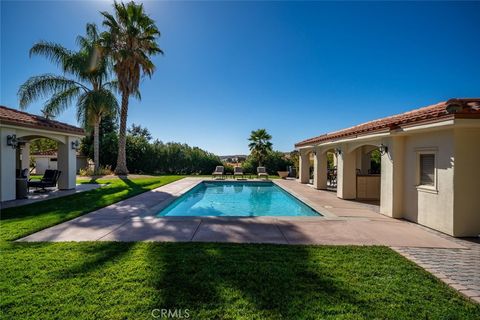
(262, 172)
(218, 172)
(49, 180)
(238, 172)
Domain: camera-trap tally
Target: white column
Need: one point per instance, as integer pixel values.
(67, 164)
(346, 175)
(25, 160)
(304, 165)
(391, 181)
(7, 166)
(320, 170)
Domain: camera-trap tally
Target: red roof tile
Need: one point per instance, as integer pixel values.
(15, 117)
(437, 112)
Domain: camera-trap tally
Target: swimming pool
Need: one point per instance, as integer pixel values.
(237, 199)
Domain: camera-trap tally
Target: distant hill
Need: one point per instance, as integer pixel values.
(235, 156)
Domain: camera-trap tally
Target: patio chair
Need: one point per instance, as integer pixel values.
(219, 170)
(49, 180)
(238, 172)
(262, 172)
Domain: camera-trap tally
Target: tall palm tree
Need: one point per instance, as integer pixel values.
(130, 40)
(84, 80)
(260, 144)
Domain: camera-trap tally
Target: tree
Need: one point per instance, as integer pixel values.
(260, 145)
(139, 131)
(108, 140)
(87, 83)
(130, 40)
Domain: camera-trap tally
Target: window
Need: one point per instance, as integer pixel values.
(427, 169)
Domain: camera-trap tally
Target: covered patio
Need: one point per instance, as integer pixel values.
(17, 130)
(427, 168)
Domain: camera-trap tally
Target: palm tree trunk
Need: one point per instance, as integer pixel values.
(96, 145)
(121, 168)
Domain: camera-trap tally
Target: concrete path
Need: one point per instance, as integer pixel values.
(37, 197)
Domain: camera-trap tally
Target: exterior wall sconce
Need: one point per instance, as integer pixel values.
(75, 145)
(383, 149)
(338, 151)
(12, 141)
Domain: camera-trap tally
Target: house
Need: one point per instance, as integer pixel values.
(48, 159)
(430, 160)
(17, 129)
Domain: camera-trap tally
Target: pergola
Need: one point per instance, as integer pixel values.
(17, 129)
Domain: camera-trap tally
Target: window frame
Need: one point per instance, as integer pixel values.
(423, 187)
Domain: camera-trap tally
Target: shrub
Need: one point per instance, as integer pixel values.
(274, 161)
(102, 171)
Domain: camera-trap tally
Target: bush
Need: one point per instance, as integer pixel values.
(102, 171)
(144, 156)
(275, 161)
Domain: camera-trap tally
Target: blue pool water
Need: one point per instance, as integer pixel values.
(246, 199)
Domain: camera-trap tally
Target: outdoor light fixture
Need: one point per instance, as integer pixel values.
(75, 145)
(12, 141)
(338, 151)
(383, 149)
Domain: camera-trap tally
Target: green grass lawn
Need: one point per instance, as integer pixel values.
(219, 281)
(109, 280)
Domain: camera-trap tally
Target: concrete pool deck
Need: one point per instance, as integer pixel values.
(343, 223)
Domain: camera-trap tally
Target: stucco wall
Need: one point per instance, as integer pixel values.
(430, 208)
(43, 163)
(467, 182)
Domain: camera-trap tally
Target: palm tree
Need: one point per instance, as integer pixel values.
(130, 40)
(260, 144)
(88, 84)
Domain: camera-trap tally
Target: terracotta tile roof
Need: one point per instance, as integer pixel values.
(51, 153)
(44, 153)
(453, 108)
(19, 118)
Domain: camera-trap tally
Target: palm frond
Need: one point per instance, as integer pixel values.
(42, 86)
(53, 51)
(61, 101)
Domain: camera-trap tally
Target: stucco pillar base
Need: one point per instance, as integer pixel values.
(391, 185)
(304, 167)
(347, 175)
(320, 171)
(67, 164)
(7, 166)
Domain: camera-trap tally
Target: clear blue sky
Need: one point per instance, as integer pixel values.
(298, 69)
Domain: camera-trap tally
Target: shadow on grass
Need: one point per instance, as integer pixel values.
(263, 281)
(94, 258)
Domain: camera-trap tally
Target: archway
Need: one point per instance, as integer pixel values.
(359, 173)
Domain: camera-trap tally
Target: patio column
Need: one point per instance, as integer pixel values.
(67, 164)
(346, 175)
(8, 159)
(25, 158)
(391, 180)
(304, 165)
(320, 170)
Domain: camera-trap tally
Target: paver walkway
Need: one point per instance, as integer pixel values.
(459, 268)
(455, 261)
